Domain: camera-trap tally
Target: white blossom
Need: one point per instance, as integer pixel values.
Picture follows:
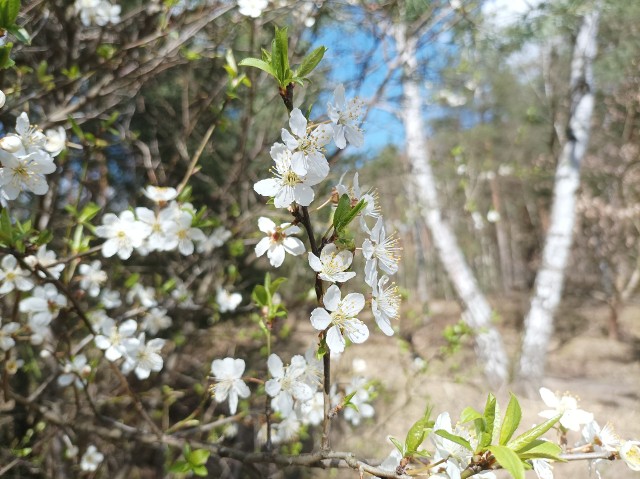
(380, 250)
(155, 320)
(307, 147)
(92, 277)
(99, 12)
(3, 98)
(73, 371)
(6, 331)
(542, 468)
(110, 299)
(44, 305)
(332, 264)
(252, 8)
(12, 276)
(278, 241)
(287, 383)
(216, 239)
(122, 234)
(227, 301)
(228, 373)
(146, 295)
(346, 117)
(56, 141)
(341, 316)
(112, 337)
(142, 357)
(567, 405)
(287, 186)
(160, 194)
(603, 438)
(385, 304)
(630, 454)
(91, 459)
(360, 399)
(47, 260)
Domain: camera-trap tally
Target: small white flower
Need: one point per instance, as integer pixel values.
(25, 173)
(56, 141)
(110, 299)
(287, 186)
(6, 341)
(143, 356)
(73, 371)
(380, 249)
(47, 260)
(92, 277)
(542, 468)
(311, 412)
(13, 276)
(307, 148)
(287, 383)
(229, 384)
(630, 454)
(44, 305)
(91, 459)
(227, 301)
(111, 341)
(252, 8)
(601, 438)
(332, 264)
(146, 295)
(385, 304)
(3, 98)
(567, 405)
(278, 241)
(155, 320)
(341, 315)
(345, 117)
(219, 236)
(160, 194)
(163, 230)
(99, 12)
(493, 216)
(187, 235)
(122, 234)
(360, 399)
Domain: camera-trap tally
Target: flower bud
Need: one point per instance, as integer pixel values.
(11, 143)
(3, 98)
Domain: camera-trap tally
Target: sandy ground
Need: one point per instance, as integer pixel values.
(604, 375)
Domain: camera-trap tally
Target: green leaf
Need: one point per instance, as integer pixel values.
(180, 466)
(397, 444)
(259, 295)
(457, 439)
(344, 206)
(88, 212)
(200, 471)
(417, 432)
(309, 62)
(280, 55)
(199, 457)
(508, 460)
(275, 284)
(76, 129)
(5, 56)
(469, 414)
(512, 417)
(527, 437)
(132, 280)
(8, 12)
(260, 64)
(20, 33)
(489, 417)
(540, 449)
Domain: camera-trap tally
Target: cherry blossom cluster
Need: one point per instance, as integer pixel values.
(295, 392)
(26, 157)
(98, 12)
(166, 228)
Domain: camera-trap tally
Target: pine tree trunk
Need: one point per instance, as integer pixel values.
(559, 237)
(477, 312)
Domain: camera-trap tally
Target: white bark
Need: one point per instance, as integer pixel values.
(550, 277)
(477, 312)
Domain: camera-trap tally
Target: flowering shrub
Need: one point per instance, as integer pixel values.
(101, 334)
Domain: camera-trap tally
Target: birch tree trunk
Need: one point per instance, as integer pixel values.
(559, 237)
(477, 312)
